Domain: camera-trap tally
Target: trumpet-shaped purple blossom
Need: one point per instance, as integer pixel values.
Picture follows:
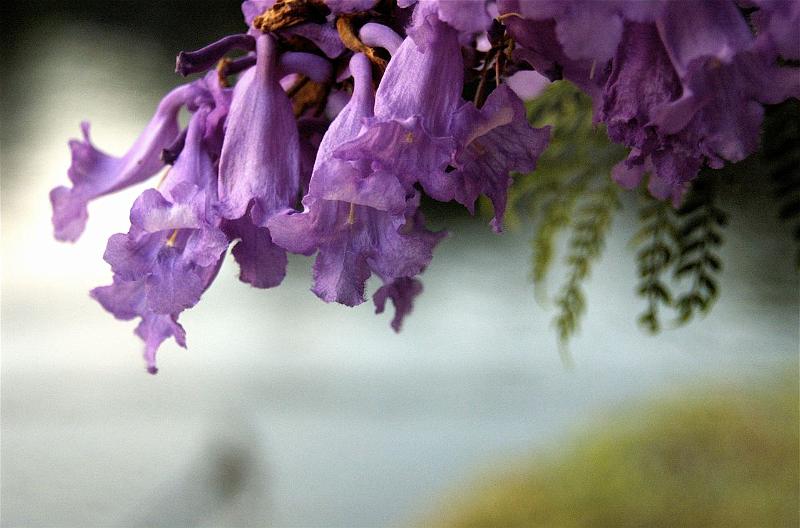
(173, 249)
(357, 218)
(94, 173)
(682, 84)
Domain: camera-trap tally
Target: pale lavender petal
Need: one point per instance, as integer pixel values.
(171, 285)
(528, 84)
(260, 160)
(154, 329)
(261, 263)
(123, 299)
(94, 173)
(341, 270)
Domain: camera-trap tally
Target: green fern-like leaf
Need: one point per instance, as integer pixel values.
(570, 192)
(590, 225)
(657, 252)
(579, 153)
(698, 238)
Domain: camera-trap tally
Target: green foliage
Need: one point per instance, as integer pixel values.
(570, 196)
(570, 191)
(697, 239)
(726, 456)
(781, 160)
(590, 224)
(679, 248)
(656, 236)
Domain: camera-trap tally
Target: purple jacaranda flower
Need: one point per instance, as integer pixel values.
(260, 161)
(94, 173)
(725, 78)
(411, 133)
(173, 249)
(175, 230)
(641, 79)
(494, 141)
(689, 90)
(357, 218)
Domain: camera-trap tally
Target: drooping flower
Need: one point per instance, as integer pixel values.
(688, 90)
(725, 78)
(260, 161)
(357, 218)
(410, 134)
(94, 173)
(173, 249)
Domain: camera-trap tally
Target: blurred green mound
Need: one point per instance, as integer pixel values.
(726, 457)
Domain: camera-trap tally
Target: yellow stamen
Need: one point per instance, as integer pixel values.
(172, 238)
(409, 137)
(351, 215)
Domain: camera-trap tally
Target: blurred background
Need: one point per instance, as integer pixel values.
(288, 412)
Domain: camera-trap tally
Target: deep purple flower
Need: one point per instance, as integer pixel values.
(641, 79)
(725, 78)
(537, 44)
(588, 29)
(689, 90)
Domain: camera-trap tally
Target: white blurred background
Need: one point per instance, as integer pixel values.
(285, 411)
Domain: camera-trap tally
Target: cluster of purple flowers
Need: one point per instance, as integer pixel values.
(346, 111)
